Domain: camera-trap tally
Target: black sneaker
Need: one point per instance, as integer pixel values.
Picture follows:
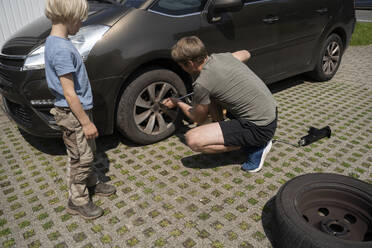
(102, 189)
(88, 211)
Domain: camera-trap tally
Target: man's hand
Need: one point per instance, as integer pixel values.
(90, 130)
(170, 102)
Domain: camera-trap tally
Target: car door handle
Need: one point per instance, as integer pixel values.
(216, 19)
(322, 10)
(270, 19)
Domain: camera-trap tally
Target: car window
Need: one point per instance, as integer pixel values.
(131, 3)
(178, 7)
(253, 1)
(126, 3)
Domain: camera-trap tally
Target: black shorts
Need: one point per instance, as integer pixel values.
(241, 132)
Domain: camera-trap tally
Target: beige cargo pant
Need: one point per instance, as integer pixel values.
(80, 152)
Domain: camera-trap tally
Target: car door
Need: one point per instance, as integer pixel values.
(300, 26)
(252, 28)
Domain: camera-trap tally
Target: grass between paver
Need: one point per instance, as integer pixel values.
(362, 34)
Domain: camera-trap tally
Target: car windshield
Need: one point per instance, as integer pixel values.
(126, 3)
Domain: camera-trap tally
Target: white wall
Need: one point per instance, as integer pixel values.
(14, 14)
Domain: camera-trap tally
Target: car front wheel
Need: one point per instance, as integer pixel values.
(140, 116)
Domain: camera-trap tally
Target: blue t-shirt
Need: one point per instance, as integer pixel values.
(61, 58)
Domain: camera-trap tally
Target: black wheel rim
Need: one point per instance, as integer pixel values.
(331, 58)
(149, 115)
(342, 214)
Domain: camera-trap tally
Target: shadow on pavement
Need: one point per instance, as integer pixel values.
(268, 222)
(55, 146)
(51, 146)
(288, 83)
(207, 161)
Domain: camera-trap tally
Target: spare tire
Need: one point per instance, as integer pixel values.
(323, 211)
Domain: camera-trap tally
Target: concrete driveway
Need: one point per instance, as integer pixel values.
(169, 196)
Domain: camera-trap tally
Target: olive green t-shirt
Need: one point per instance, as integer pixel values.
(235, 87)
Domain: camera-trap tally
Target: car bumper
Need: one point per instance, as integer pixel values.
(20, 88)
(31, 120)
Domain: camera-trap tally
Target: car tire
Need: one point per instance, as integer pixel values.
(140, 117)
(329, 59)
(323, 211)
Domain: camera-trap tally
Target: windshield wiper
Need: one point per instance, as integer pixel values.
(108, 1)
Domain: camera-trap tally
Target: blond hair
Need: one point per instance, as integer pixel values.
(65, 11)
(189, 48)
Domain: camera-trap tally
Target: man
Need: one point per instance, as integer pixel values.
(225, 80)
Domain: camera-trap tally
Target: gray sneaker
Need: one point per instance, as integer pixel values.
(102, 189)
(88, 211)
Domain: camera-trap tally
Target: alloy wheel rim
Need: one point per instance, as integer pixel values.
(331, 58)
(150, 117)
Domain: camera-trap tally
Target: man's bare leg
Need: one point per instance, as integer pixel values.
(208, 139)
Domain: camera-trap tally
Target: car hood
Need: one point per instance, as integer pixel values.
(35, 33)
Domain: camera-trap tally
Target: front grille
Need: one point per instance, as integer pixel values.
(21, 113)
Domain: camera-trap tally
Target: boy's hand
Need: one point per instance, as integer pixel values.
(170, 102)
(90, 131)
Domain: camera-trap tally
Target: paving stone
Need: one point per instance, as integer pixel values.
(169, 196)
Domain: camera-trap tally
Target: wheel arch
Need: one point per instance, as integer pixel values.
(340, 31)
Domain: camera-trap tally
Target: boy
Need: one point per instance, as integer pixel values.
(68, 81)
(225, 80)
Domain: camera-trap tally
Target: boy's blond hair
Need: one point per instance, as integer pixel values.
(189, 48)
(66, 11)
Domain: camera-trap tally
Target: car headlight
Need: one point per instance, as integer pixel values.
(84, 41)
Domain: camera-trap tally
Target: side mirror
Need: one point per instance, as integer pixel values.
(217, 7)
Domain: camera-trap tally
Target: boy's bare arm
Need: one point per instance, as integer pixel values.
(89, 129)
(242, 55)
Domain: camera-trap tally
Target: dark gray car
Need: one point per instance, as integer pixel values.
(126, 49)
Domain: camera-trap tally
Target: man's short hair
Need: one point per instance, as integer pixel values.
(66, 11)
(189, 48)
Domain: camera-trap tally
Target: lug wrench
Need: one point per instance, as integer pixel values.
(162, 106)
